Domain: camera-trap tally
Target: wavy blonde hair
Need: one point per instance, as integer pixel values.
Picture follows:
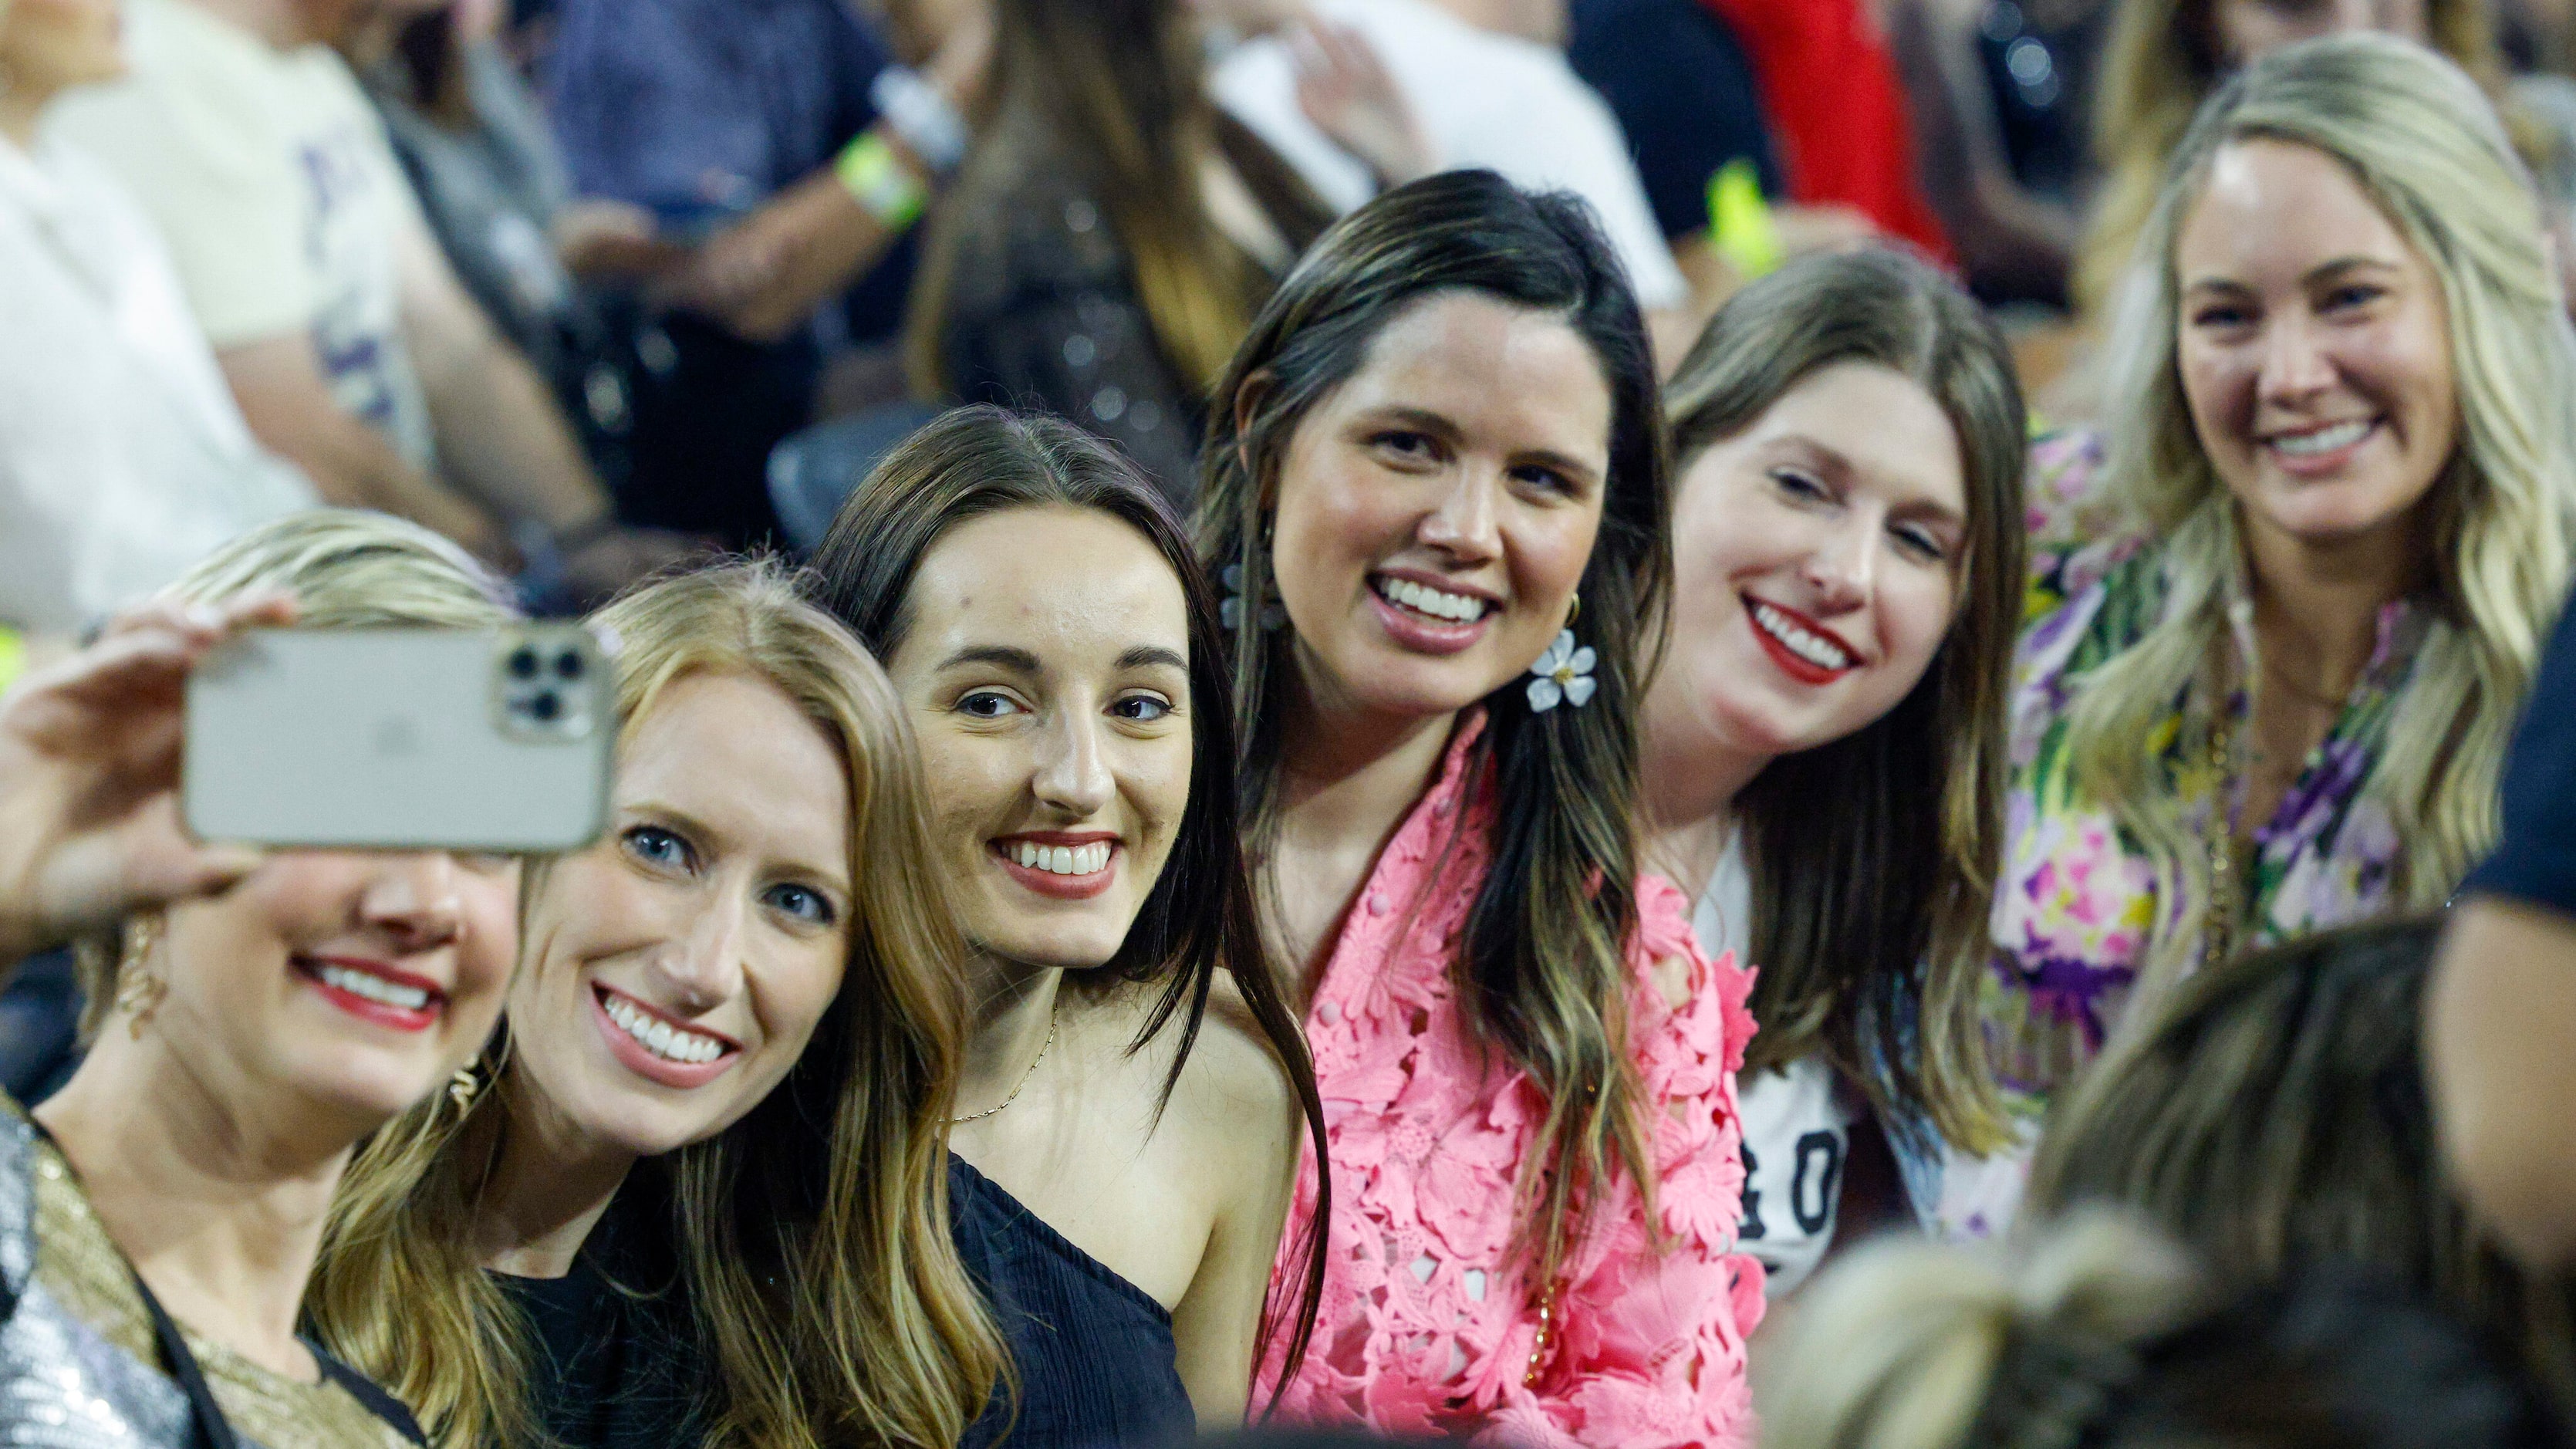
(2418, 137)
(347, 569)
(821, 1286)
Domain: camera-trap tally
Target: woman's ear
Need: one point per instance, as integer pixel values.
(1248, 397)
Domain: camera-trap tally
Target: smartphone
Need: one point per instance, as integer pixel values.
(402, 739)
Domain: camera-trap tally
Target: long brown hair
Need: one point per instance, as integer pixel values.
(2274, 1111)
(1874, 857)
(1543, 973)
(1199, 916)
(823, 1294)
(1118, 90)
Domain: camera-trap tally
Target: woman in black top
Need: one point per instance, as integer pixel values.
(695, 1190)
(1135, 1089)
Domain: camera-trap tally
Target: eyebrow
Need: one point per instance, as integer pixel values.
(2322, 271)
(1424, 420)
(1146, 656)
(1018, 661)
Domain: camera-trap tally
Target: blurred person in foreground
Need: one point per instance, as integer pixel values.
(1112, 237)
(123, 459)
(2311, 567)
(343, 333)
(2100, 1333)
(164, 1209)
(2326, 1033)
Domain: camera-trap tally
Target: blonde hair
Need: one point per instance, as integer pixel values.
(1903, 1345)
(2160, 61)
(2415, 134)
(347, 570)
(822, 1288)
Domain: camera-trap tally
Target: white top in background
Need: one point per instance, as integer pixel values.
(123, 459)
(270, 179)
(1797, 1121)
(1484, 100)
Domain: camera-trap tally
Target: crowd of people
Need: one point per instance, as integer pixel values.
(1840, 724)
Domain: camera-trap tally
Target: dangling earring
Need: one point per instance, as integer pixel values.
(1274, 615)
(462, 1088)
(138, 991)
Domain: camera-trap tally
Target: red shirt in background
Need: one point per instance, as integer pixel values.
(1837, 111)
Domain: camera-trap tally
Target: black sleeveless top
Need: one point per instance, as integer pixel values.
(1093, 1353)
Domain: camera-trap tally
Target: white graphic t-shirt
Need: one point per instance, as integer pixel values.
(1797, 1121)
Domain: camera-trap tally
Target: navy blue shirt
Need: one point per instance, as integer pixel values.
(1683, 90)
(2536, 861)
(702, 109)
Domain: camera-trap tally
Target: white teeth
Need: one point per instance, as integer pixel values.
(1063, 859)
(2323, 440)
(677, 1044)
(1439, 604)
(1817, 651)
(373, 988)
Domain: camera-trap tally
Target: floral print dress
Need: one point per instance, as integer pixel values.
(1429, 1326)
(2077, 900)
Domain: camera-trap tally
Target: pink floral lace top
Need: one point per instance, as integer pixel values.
(1427, 1326)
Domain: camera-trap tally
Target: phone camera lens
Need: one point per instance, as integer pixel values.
(523, 663)
(546, 706)
(568, 664)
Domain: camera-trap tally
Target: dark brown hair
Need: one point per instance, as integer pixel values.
(2274, 1111)
(1874, 857)
(1198, 918)
(1544, 971)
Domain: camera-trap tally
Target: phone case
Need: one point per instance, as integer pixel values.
(440, 739)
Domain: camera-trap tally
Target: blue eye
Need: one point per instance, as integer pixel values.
(653, 845)
(802, 902)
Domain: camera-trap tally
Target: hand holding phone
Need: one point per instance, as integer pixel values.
(402, 739)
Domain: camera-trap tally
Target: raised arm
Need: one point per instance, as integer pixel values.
(89, 779)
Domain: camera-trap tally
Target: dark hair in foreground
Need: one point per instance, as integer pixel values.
(2100, 1334)
(1873, 857)
(2274, 1112)
(1544, 971)
(1198, 919)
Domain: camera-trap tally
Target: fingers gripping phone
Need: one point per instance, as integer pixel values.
(419, 739)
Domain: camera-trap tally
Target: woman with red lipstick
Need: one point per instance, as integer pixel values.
(251, 1020)
(1136, 1093)
(1437, 482)
(2284, 618)
(1824, 744)
(692, 1193)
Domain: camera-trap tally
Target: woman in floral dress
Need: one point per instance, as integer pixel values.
(2282, 619)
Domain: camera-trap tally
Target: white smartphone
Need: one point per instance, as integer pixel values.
(422, 739)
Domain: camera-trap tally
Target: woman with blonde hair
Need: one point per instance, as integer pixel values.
(2310, 571)
(163, 1210)
(694, 1189)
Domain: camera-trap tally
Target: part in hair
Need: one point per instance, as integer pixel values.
(1873, 858)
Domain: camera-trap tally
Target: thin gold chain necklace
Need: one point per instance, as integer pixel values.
(1024, 1076)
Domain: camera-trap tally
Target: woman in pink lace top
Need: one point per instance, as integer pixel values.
(1435, 485)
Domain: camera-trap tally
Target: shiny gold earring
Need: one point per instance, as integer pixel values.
(1576, 612)
(138, 991)
(462, 1087)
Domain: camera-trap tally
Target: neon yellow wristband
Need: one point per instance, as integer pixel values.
(878, 182)
(13, 657)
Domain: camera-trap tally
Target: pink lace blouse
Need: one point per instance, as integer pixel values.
(1427, 1325)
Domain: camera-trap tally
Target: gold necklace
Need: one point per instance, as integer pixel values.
(2218, 923)
(1024, 1076)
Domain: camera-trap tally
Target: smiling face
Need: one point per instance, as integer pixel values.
(677, 968)
(1818, 556)
(1436, 511)
(1046, 669)
(357, 981)
(2314, 349)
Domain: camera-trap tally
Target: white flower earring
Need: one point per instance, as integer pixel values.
(1230, 613)
(1564, 675)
